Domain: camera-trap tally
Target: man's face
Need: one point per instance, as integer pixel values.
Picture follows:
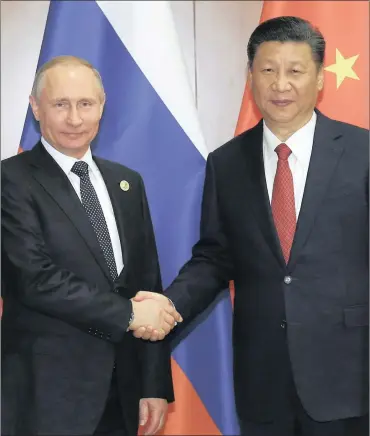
(69, 108)
(285, 82)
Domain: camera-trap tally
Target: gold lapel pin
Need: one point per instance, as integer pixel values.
(124, 185)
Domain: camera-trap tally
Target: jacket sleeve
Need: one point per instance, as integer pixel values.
(155, 356)
(210, 268)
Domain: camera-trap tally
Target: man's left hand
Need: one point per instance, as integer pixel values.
(152, 414)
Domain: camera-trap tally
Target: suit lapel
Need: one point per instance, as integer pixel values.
(326, 152)
(258, 194)
(119, 201)
(52, 178)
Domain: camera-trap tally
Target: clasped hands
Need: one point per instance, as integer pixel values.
(154, 316)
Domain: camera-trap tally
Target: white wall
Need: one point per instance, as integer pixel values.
(22, 27)
(223, 29)
(213, 36)
(183, 14)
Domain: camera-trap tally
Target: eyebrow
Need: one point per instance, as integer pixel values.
(57, 99)
(298, 62)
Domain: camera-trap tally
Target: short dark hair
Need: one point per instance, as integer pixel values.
(286, 29)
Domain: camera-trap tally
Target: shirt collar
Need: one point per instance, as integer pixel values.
(300, 142)
(67, 162)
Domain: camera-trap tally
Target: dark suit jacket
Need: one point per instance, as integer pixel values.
(310, 315)
(64, 321)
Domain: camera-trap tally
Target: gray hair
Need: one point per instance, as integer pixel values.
(62, 60)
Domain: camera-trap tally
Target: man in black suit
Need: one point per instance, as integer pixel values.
(285, 215)
(77, 244)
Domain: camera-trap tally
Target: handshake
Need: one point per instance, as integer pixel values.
(154, 316)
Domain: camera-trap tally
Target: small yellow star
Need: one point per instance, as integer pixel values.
(343, 67)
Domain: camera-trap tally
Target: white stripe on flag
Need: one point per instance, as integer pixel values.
(147, 30)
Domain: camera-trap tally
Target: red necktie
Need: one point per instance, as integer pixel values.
(282, 203)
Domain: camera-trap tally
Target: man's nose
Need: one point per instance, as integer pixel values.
(281, 83)
(74, 117)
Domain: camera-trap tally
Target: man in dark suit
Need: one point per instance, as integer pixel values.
(285, 215)
(77, 244)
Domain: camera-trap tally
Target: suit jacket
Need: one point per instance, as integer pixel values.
(309, 317)
(64, 321)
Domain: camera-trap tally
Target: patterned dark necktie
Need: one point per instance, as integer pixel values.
(94, 211)
(282, 203)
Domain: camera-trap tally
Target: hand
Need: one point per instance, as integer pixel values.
(152, 414)
(148, 331)
(155, 313)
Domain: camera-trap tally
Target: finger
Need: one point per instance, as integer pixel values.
(158, 335)
(148, 333)
(169, 309)
(177, 316)
(167, 327)
(139, 333)
(160, 425)
(169, 319)
(153, 421)
(155, 336)
(143, 412)
(143, 295)
(143, 332)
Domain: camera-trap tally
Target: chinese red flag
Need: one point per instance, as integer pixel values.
(345, 26)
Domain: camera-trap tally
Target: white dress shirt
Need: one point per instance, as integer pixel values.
(66, 163)
(301, 145)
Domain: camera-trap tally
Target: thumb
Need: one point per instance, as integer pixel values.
(143, 412)
(142, 295)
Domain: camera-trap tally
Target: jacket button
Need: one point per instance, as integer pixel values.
(287, 280)
(283, 324)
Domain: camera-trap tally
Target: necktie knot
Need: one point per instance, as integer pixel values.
(283, 151)
(80, 168)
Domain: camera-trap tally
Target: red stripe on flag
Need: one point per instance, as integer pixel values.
(188, 415)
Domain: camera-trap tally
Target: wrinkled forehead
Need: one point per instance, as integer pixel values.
(70, 81)
(288, 51)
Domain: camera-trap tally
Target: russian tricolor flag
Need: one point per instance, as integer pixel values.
(150, 124)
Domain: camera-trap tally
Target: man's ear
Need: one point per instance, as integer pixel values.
(320, 79)
(102, 104)
(249, 77)
(35, 107)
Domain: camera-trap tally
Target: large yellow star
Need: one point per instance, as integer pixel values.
(343, 67)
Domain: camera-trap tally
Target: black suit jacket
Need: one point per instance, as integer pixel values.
(64, 321)
(310, 316)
